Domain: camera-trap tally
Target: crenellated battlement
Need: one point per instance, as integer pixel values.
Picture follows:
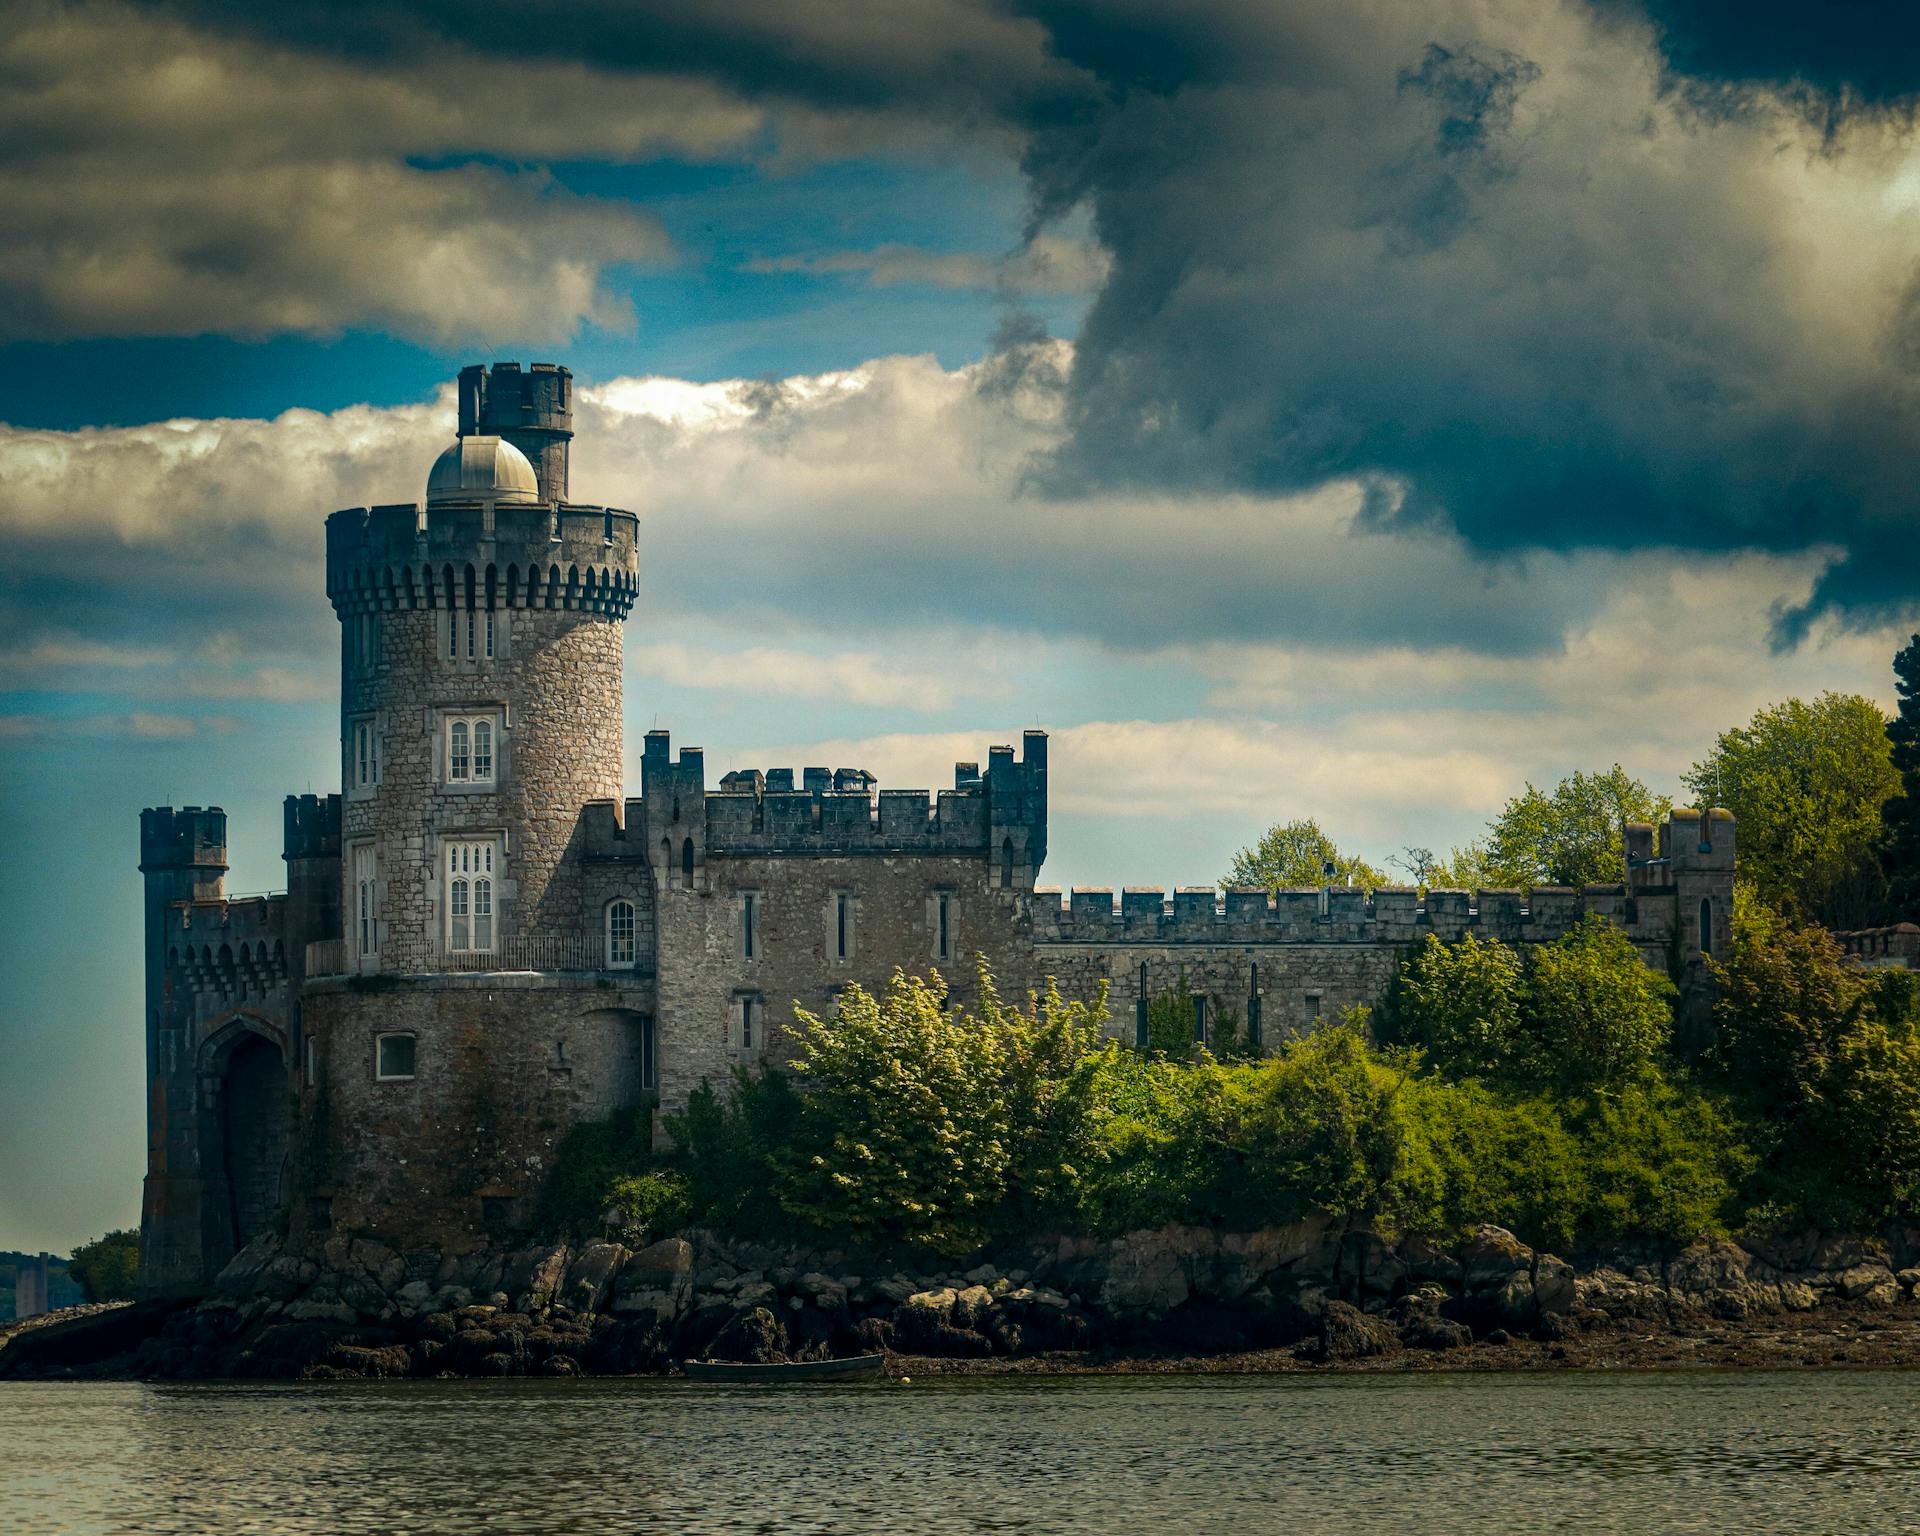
(193, 837)
(841, 810)
(310, 827)
(461, 554)
(1390, 916)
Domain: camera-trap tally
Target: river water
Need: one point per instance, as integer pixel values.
(1632, 1452)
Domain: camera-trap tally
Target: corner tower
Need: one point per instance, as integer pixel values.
(480, 690)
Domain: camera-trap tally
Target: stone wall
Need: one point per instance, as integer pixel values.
(554, 685)
(704, 970)
(504, 1067)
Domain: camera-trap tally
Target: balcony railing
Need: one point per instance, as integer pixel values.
(532, 952)
(522, 952)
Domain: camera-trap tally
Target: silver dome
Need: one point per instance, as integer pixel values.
(481, 468)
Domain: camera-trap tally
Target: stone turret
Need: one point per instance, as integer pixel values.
(480, 687)
(532, 409)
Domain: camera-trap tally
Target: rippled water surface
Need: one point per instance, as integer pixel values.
(1799, 1451)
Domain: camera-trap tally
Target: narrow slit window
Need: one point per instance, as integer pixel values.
(1253, 1002)
(1199, 1019)
(470, 623)
(942, 917)
(1706, 925)
(840, 927)
(365, 895)
(746, 926)
(489, 634)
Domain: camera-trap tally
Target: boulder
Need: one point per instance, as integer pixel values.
(590, 1276)
(1869, 1282)
(308, 1310)
(970, 1307)
(244, 1271)
(1554, 1284)
(1706, 1267)
(1420, 1325)
(658, 1280)
(1490, 1255)
(753, 1336)
(531, 1276)
(1347, 1333)
(1145, 1273)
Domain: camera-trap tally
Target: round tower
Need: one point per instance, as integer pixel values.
(480, 698)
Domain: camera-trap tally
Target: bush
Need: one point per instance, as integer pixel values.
(932, 1126)
(108, 1268)
(1598, 1013)
(1461, 1004)
(731, 1149)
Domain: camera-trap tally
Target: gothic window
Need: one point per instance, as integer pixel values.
(365, 898)
(393, 1058)
(470, 876)
(470, 749)
(620, 934)
(365, 770)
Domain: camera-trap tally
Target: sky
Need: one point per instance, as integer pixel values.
(1355, 412)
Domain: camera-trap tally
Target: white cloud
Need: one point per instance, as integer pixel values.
(854, 677)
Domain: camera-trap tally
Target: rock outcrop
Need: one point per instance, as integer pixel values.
(356, 1308)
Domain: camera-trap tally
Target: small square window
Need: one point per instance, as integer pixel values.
(393, 1058)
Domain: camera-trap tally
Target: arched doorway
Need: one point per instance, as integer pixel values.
(254, 1133)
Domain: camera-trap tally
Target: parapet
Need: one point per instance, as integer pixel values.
(1341, 915)
(841, 811)
(311, 827)
(463, 554)
(191, 837)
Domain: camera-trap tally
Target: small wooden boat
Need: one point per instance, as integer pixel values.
(853, 1368)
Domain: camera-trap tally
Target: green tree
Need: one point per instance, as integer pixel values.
(1901, 813)
(1806, 783)
(1461, 1004)
(1296, 853)
(1597, 1011)
(930, 1125)
(108, 1268)
(1572, 836)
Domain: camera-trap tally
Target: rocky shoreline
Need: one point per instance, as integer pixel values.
(1299, 1298)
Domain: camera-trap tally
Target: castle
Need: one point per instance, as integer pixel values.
(484, 942)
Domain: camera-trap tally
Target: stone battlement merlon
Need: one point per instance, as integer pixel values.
(1309, 915)
(841, 811)
(536, 555)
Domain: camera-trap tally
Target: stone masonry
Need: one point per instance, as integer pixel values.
(484, 942)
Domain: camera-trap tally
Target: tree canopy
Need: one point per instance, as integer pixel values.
(1806, 782)
(1572, 836)
(1296, 853)
(1901, 814)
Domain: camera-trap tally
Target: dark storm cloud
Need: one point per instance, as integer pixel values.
(1866, 51)
(1558, 275)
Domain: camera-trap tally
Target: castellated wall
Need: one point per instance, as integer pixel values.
(892, 921)
(504, 1066)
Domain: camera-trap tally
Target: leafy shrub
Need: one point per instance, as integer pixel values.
(108, 1268)
(1598, 1013)
(1461, 1004)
